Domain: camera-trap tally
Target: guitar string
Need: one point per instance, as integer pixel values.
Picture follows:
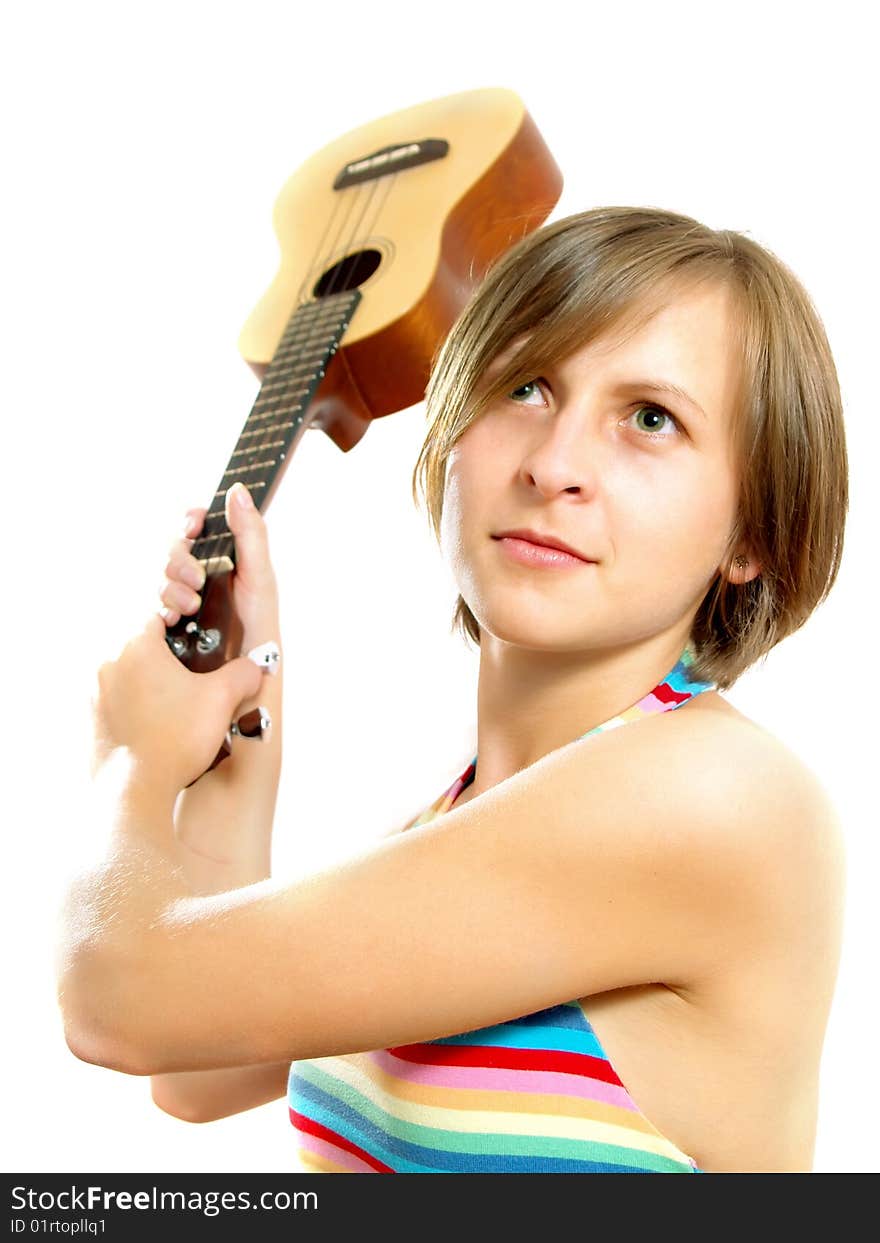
(314, 264)
(339, 254)
(277, 401)
(314, 268)
(349, 245)
(334, 257)
(358, 237)
(283, 397)
(214, 544)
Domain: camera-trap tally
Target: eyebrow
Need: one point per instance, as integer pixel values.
(658, 386)
(665, 386)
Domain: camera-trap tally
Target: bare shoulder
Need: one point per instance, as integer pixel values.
(768, 798)
(748, 808)
(770, 775)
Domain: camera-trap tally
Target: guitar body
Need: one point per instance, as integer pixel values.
(384, 234)
(435, 229)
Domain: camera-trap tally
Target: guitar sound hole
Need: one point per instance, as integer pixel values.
(348, 273)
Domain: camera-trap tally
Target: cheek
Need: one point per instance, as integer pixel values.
(461, 497)
(466, 495)
(681, 525)
(450, 518)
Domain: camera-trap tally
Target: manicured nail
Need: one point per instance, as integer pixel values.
(243, 498)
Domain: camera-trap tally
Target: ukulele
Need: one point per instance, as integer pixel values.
(383, 233)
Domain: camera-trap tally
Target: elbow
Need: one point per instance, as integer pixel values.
(93, 1029)
(98, 1049)
(94, 1038)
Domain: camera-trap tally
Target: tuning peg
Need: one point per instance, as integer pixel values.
(254, 724)
(267, 656)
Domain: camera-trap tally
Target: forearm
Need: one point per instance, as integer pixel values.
(110, 908)
(223, 824)
(206, 1095)
(232, 818)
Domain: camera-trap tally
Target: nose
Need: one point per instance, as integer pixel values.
(563, 455)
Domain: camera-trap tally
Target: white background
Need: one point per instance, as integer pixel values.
(144, 148)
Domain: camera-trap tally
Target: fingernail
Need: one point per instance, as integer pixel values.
(243, 498)
(193, 575)
(189, 526)
(267, 656)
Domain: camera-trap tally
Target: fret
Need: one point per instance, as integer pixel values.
(308, 336)
(271, 385)
(252, 487)
(286, 389)
(273, 444)
(305, 368)
(281, 388)
(321, 308)
(308, 343)
(261, 431)
(267, 414)
(244, 469)
(292, 401)
(313, 343)
(198, 549)
(299, 346)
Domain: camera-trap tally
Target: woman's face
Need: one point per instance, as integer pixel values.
(639, 481)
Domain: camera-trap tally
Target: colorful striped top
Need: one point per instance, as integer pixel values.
(535, 1094)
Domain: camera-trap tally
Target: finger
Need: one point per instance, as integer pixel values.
(193, 522)
(154, 629)
(241, 680)
(251, 538)
(183, 567)
(180, 597)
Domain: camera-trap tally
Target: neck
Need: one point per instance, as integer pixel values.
(279, 415)
(530, 703)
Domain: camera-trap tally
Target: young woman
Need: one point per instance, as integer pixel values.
(611, 944)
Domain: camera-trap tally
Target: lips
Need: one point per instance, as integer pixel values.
(546, 541)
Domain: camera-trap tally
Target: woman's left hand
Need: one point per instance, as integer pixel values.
(169, 720)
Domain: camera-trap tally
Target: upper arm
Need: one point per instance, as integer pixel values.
(638, 855)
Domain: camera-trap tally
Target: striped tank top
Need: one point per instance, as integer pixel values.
(536, 1094)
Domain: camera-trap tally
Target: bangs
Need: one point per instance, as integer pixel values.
(537, 338)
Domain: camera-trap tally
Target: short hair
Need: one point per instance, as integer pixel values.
(571, 281)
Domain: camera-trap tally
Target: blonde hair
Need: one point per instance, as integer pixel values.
(573, 280)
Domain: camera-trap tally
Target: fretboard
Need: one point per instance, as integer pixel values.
(280, 413)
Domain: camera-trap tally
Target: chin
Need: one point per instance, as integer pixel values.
(535, 629)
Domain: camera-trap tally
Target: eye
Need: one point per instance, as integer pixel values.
(531, 389)
(656, 422)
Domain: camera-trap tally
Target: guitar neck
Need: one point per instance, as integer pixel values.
(278, 417)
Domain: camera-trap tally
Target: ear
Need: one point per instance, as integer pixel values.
(743, 567)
